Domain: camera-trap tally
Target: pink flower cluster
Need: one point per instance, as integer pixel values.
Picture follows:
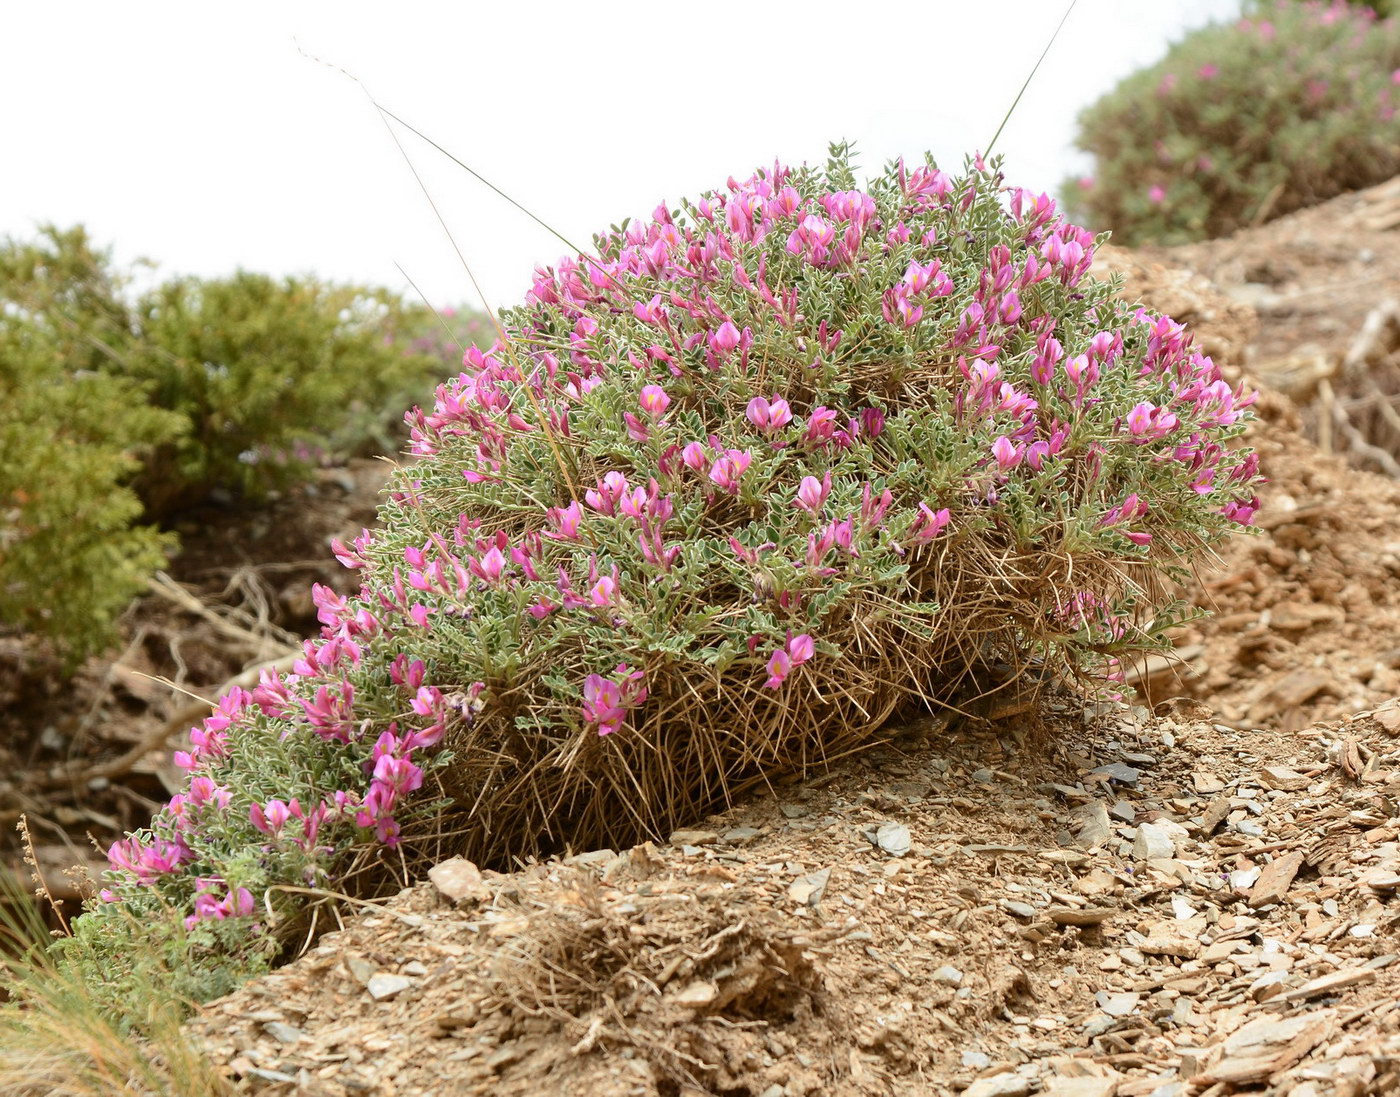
(607, 701)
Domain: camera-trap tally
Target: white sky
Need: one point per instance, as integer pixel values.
(198, 135)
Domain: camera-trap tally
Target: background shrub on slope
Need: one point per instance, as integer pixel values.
(1291, 105)
(72, 434)
(117, 408)
(738, 484)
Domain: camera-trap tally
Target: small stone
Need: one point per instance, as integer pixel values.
(1153, 842)
(949, 976)
(794, 811)
(1248, 827)
(282, 1032)
(1283, 778)
(983, 776)
(1123, 812)
(1121, 772)
(384, 986)
(1008, 1084)
(808, 890)
(893, 838)
(361, 970)
(415, 968)
(1328, 984)
(976, 1060)
(698, 993)
(1094, 827)
(693, 837)
(1117, 1005)
(1087, 1085)
(1381, 879)
(1020, 910)
(1275, 880)
(1144, 761)
(740, 836)
(459, 880)
(1268, 985)
(1077, 916)
(1206, 784)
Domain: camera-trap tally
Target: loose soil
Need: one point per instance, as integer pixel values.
(1190, 893)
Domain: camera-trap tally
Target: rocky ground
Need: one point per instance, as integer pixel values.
(1192, 893)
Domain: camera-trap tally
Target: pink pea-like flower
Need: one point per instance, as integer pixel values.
(654, 401)
(604, 592)
(929, 524)
(800, 648)
(1006, 452)
(696, 457)
(727, 470)
(1156, 194)
(779, 666)
(724, 339)
(812, 493)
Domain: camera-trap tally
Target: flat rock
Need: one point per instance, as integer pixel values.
(693, 837)
(1283, 778)
(1079, 916)
(384, 986)
(459, 880)
(1117, 1005)
(1275, 880)
(894, 839)
(1153, 842)
(1120, 772)
(1008, 1084)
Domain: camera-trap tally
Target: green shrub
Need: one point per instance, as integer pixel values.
(1291, 105)
(267, 372)
(115, 408)
(71, 437)
(735, 488)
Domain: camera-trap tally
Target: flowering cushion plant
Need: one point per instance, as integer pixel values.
(727, 493)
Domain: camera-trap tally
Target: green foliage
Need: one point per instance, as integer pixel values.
(116, 407)
(1242, 122)
(73, 428)
(260, 368)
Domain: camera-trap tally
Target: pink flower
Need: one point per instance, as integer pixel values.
(654, 400)
(695, 456)
(727, 470)
(270, 817)
(800, 648)
(490, 567)
(724, 340)
(1156, 194)
(779, 666)
(566, 522)
(604, 592)
(768, 416)
(929, 524)
(812, 493)
(1208, 72)
(1007, 454)
(821, 424)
